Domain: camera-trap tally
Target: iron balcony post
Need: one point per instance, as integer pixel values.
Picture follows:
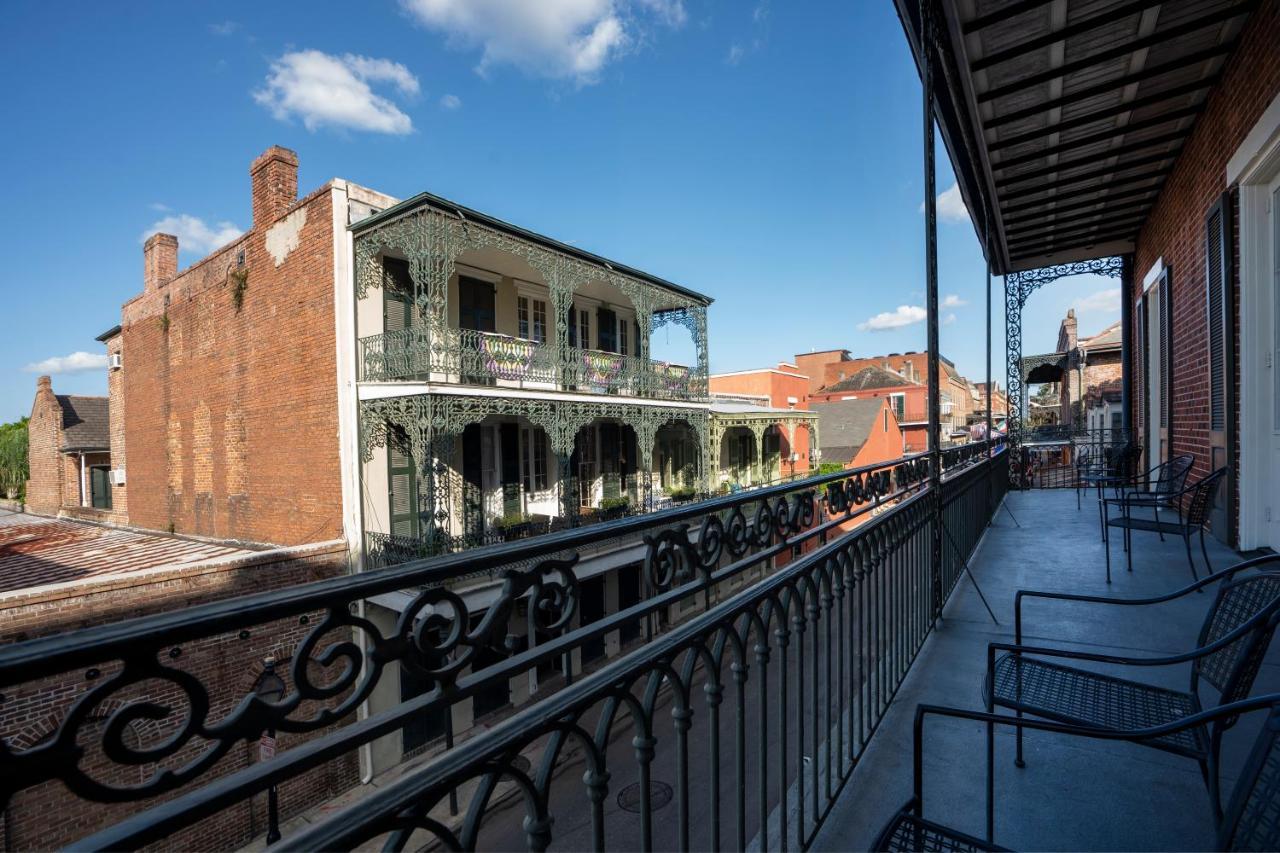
(1126, 345)
(931, 289)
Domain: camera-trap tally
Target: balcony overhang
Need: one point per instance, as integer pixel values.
(1064, 117)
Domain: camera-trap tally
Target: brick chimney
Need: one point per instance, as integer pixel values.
(1067, 332)
(275, 184)
(44, 385)
(159, 261)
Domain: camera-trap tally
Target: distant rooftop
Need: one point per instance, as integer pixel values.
(867, 379)
(425, 199)
(37, 551)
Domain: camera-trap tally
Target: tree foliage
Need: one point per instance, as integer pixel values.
(13, 457)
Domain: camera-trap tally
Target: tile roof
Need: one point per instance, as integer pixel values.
(868, 378)
(85, 422)
(844, 425)
(1108, 337)
(36, 551)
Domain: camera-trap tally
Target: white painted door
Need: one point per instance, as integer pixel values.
(1272, 525)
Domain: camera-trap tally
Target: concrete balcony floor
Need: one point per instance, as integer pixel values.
(1074, 793)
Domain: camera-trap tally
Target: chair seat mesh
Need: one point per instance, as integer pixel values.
(908, 832)
(1148, 524)
(1089, 698)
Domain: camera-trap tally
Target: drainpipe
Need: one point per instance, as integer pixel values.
(83, 490)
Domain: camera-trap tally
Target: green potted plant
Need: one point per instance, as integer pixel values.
(614, 507)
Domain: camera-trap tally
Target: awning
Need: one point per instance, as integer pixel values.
(1064, 117)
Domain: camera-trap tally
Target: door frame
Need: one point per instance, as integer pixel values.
(1253, 167)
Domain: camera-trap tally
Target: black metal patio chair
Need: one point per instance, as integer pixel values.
(1118, 471)
(1236, 633)
(1249, 823)
(1157, 488)
(1196, 502)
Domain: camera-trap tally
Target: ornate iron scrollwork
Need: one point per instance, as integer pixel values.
(1018, 287)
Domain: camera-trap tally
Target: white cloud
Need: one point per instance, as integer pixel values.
(567, 39)
(322, 89)
(193, 233)
(950, 205)
(76, 362)
(949, 319)
(736, 52)
(450, 102)
(224, 28)
(1107, 301)
(160, 206)
(953, 301)
(670, 12)
(903, 315)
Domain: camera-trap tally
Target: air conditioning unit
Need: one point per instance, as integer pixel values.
(117, 477)
(114, 361)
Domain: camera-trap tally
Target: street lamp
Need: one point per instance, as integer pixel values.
(270, 688)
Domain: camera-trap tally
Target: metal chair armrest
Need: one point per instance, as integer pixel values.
(1159, 599)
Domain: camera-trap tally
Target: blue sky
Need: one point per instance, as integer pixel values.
(765, 153)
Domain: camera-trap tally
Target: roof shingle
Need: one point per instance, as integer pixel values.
(86, 424)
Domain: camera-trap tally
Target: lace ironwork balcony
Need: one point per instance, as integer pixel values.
(486, 358)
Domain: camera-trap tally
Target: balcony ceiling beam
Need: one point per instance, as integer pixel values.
(1110, 16)
(1107, 87)
(1033, 223)
(1129, 197)
(1109, 112)
(1062, 242)
(1125, 48)
(983, 21)
(1016, 200)
(1118, 166)
(1108, 136)
(1056, 226)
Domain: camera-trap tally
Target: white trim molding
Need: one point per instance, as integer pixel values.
(1255, 165)
(1153, 274)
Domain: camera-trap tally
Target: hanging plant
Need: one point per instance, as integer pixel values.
(239, 279)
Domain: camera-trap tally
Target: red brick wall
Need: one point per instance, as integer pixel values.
(813, 365)
(232, 427)
(227, 665)
(1175, 228)
(45, 463)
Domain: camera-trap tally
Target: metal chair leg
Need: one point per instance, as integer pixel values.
(1208, 567)
(1106, 547)
(1186, 538)
(1128, 551)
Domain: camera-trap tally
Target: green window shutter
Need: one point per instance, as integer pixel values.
(402, 481)
(397, 294)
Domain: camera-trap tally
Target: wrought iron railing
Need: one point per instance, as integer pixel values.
(796, 672)
(484, 358)
(1062, 457)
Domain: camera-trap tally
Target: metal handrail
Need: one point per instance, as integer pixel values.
(754, 527)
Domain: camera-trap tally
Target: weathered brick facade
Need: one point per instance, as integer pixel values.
(227, 666)
(230, 384)
(45, 464)
(1175, 229)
